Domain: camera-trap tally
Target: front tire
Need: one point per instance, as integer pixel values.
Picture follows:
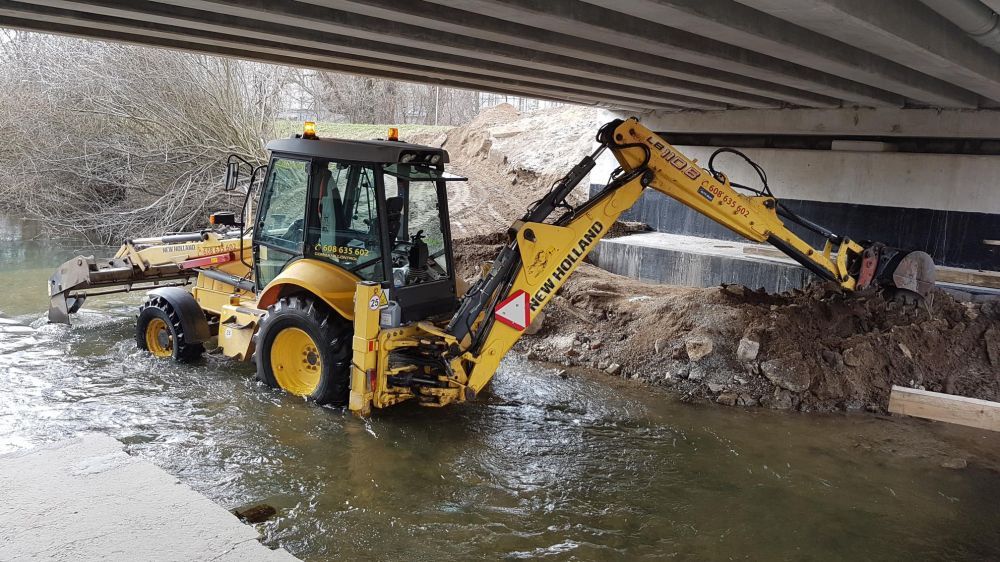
(304, 349)
(158, 330)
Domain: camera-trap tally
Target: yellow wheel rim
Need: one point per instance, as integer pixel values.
(296, 362)
(159, 342)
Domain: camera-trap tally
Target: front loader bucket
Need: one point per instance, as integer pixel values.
(68, 284)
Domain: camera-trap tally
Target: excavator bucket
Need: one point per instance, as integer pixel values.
(910, 272)
(915, 272)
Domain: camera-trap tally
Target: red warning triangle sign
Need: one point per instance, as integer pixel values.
(514, 311)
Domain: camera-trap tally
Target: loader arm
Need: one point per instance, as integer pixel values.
(544, 251)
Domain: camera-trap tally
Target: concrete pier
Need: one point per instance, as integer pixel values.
(86, 499)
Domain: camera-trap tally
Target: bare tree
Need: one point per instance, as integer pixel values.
(362, 99)
(114, 140)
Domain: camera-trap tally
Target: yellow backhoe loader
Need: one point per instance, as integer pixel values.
(342, 287)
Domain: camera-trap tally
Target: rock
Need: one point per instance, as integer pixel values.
(727, 398)
(905, 350)
(782, 400)
(534, 355)
(255, 514)
(956, 463)
(747, 400)
(659, 345)
(795, 380)
(613, 369)
(992, 339)
(851, 358)
(698, 348)
(833, 358)
(860, 355)
(572, 353)
(747, 350)
(695, 373)
(739, 380)
(536, 324)
(594, 346)
(735, 290)
(715, 387)
(684, 371)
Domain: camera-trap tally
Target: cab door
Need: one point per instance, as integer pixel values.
(279, 231)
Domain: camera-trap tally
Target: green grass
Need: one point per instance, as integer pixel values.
(355, 131)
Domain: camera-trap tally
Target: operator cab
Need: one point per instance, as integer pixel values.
(375, 209)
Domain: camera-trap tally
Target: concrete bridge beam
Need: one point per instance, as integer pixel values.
(905, 31)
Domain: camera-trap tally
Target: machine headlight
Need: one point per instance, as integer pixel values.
(407, 158)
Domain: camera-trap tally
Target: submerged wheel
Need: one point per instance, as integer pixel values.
(305, 349)
(158, 330)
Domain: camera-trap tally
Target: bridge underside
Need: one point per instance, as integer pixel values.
(635, 55)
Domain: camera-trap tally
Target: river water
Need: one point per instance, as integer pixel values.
(587, 467)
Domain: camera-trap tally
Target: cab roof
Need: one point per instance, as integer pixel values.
(375, 151)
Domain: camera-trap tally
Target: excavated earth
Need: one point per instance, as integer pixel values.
(817, 349)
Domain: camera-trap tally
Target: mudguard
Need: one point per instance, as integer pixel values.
(192, 317)
(331, 284)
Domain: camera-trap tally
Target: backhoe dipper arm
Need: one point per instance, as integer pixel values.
(543, 253)
(755, 217)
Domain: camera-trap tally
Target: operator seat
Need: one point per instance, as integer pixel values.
(394, 217)
(332, 220)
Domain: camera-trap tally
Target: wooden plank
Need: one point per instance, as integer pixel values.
(945, 274)
(976, 278)
(960, 410)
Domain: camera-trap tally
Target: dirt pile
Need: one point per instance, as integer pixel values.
(511, 159)
(818, 349)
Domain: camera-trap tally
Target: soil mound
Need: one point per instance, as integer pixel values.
(814, 349)
(511, 159)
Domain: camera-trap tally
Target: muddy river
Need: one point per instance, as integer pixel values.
(581, 468)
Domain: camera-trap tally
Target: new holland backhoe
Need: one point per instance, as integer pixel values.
(341, 286)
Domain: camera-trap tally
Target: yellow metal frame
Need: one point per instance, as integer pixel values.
(753, 217)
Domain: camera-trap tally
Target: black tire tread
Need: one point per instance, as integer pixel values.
(182, 351)
(333, 330)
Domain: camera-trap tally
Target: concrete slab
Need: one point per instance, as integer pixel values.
(86, 499)
(696, 262)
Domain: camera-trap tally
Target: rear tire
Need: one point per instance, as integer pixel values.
(305, 349)
(158, 330)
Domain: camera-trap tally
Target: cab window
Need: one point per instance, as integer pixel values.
(344, 221)
(414, 213)
(279, 228)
